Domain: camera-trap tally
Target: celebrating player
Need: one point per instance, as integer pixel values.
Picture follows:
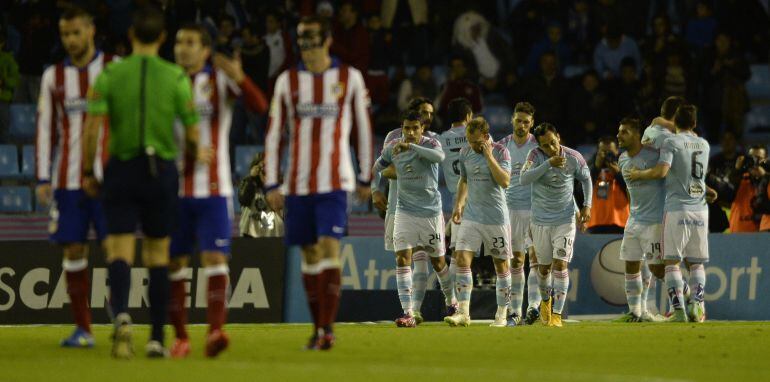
(519, 144)
(641, 238)
(204, 211)
(683, 163)
(483, 217)
(552, 169)
(418, 219)
(323, 102)
(60, 117)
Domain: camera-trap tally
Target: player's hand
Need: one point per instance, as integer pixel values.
(711, 195)
(558, 161)
(457, 214)
(585, 217)
(44, 194)
(739, 162)
(363, 193)
(379, 200)
(486, 149)
(230, 65)
(275, 200)
(91, 186)
(400, 148)
(204, 155)
(390, 172)
(634, 174)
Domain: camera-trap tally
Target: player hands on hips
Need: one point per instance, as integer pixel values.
(418, 220)
(481, 212)
(551, 169)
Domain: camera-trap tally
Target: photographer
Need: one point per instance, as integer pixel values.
(610, 207)
(721, 165)
(257, 219)
(750, 172)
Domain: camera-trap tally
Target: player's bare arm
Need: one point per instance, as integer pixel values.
(462, 195)
(658, 172)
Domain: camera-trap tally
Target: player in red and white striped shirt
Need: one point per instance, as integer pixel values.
(60, 124)
(205, 189)
(322, 102)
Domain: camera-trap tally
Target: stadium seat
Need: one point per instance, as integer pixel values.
(15, 199)
(243, 156)
(28, 161)
(440, 74)
(22, 120)
(9, 161)
(758, 86)
(499, 119)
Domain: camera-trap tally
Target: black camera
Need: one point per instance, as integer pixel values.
(750, 162)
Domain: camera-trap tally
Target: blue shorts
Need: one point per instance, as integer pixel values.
(72, 216)
(311, 216)
(206, 222)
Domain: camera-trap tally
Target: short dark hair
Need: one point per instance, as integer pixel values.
(632, 123)
(458, 109)
(668, 109)
(202, 32)
(543, 129)
(524, 107)
(326, 29)
(416, 102)
(607, 139)
(686, 116)
(73, 12)
(148, 24)
(411, 115)
(478, 124)
(628, 61)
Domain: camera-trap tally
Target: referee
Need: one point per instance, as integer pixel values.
(140, 96)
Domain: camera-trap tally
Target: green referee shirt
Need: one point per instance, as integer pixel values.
(143, 96)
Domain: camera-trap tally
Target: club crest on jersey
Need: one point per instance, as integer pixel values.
(338, 90)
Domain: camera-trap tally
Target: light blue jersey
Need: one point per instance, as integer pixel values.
(452, 141)
(552, 188)
(688, 156)
(654, 135)
(519, 197)
(647, 196)
(485, 203)
(417, 171)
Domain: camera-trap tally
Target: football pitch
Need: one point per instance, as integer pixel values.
(581, 351)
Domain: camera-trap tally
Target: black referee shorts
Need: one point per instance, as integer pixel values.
(133, 197)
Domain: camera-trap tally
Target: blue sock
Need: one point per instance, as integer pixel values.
(120, 283)
(158, 293)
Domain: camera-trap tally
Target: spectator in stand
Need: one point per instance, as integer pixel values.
(721, 165)
(702, 29)
(474, 37)
(529, 19)
(421, 84)
(748, 22)
(610, 207)
(579, 31)
(552, 42)
(279, 43)
(350, 39)
(548, 91)
(9, 77)
(38, 39)
(458, 85)
(227, 35)
(587, 110)
(725, 101)
(676, 79)
(376, 77)
(747, 176)
(407, 23)
(612, 49)
(623, 91)
(255, 55)
(662, 41)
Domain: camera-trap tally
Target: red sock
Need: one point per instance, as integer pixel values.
(177, 313)
(217, 299)
(312, 283)
(330, 288)
(78, 286)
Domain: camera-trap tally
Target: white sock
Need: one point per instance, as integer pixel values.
(404, 285)
(517, 289)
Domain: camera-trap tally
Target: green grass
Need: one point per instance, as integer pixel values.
(587, 351)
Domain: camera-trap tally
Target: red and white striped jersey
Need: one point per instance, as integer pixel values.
(214, 94)
(321, 111)
(61, 114)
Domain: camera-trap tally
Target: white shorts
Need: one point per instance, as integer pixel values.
(553, 242)
(410, 232)
(453, 231)
(472, 235)
(685, 236)
(642, 242)
(521, 237)
(390, 219)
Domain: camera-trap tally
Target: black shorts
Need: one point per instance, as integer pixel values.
(132, 196)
